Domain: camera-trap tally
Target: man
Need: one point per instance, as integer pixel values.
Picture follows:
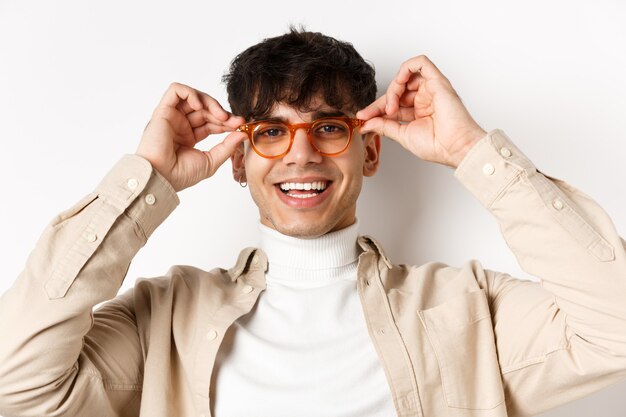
(317, 321)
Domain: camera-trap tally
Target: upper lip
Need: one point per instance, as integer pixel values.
(303, 180)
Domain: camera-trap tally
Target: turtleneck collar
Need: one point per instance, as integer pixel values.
(328, 257)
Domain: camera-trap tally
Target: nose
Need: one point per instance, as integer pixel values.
(302, 152)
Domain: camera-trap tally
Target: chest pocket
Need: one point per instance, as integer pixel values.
(461, 334)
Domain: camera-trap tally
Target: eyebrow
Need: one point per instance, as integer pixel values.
(331, 113)
(320, 114)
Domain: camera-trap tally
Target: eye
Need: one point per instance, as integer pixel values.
(330, 128)
(271, 131)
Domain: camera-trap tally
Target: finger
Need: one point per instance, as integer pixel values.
(411, 74)
(199, 117)
(384, 127)
(414, 82)
(177, 93)
(418, 65)
(376, 108)
(184, 107)
(407, 99)
(405, 114)
(170, 125)
(234, 121)
(393, 94)
(223, 150)
(214, 107)
(219, 115)
(207, 129)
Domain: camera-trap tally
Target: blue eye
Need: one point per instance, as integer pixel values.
(271, 131)
(330, 129)
(271, 134)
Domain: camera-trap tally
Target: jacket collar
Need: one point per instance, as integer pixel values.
(250, 259)
(369, 244)
(254, 259)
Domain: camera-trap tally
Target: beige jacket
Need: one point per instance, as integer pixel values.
(456, 342)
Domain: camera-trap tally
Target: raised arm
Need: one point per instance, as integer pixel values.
(556, 340)
(57, 358)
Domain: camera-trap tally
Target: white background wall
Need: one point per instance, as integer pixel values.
(79, 80)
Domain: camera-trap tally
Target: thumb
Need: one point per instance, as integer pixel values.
(218, 154)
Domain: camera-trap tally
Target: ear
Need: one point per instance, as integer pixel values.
(371, 147)
(238, 163)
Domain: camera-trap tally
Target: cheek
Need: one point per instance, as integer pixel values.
(352, 165)
(256, 167)
(257, 170)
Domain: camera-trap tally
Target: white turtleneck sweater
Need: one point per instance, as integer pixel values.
(304, 349)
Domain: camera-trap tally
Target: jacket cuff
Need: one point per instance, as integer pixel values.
(491, 165)
(135, 187)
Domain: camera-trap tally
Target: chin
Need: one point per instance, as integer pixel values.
(302, 229)
(307, 227)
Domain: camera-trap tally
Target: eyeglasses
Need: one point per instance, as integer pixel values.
(330, 136)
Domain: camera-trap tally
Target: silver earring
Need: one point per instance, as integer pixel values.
(243, 184)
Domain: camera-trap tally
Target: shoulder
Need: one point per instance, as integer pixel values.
(437, 271)
(472, 268)
(434, 283)
(180, 281)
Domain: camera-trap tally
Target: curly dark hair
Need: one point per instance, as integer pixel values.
(295, 68)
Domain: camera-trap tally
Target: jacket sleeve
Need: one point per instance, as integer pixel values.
(57, 357)
(564, 337)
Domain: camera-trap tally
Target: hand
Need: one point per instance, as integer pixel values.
(183, 118)
(422, 112)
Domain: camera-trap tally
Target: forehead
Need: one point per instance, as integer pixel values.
(315, 110)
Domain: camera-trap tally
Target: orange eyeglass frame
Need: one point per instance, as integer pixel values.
(351, 122)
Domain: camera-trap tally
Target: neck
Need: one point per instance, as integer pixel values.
(328, 257)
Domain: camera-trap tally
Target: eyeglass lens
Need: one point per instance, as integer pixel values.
(327, 136)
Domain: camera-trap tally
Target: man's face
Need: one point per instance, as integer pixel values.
(307, 213)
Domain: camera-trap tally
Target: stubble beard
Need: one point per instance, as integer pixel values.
(346, 206)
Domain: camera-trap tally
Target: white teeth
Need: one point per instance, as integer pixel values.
(315, 185)
(302, 195)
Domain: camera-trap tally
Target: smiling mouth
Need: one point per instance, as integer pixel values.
(303, 189)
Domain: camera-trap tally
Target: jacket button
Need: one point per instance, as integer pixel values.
(150, 199)
(488, 169)
(557, 204)
(91, 237)
(132, 184)
(247, 289)
(211, 335)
